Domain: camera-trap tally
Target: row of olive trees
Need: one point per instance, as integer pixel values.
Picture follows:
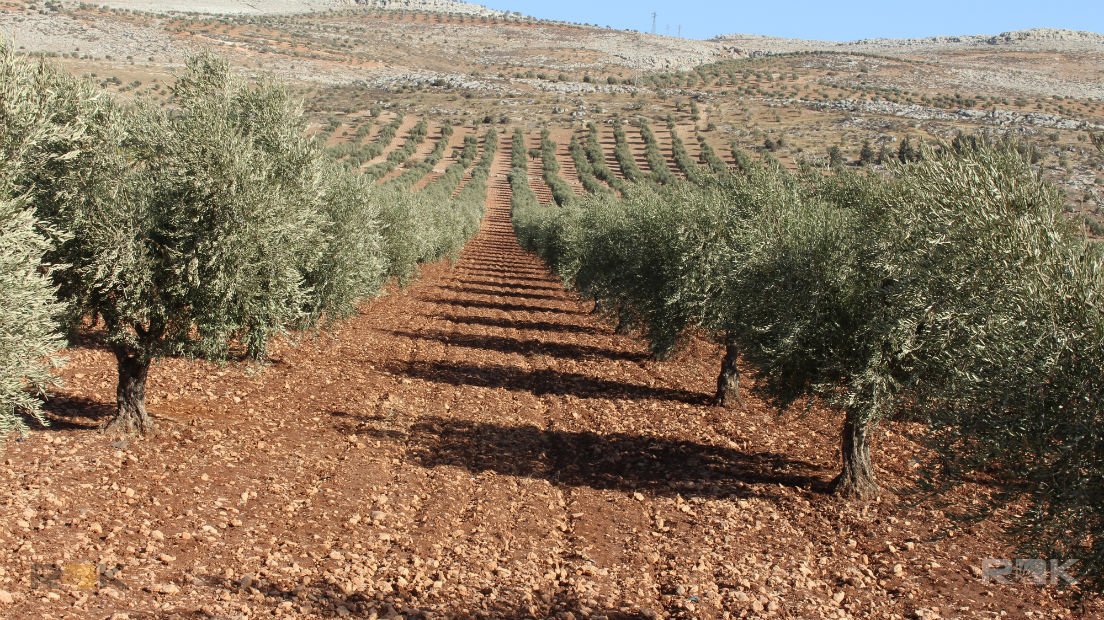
(200, 228)
(954, 289)
(521, 193)
(623, 154)
(597, 157)
(415, 171)
(709, 156)
(397, 156)
(185, 229)
(585, 170)
(421, 226)
(354, 154)
(661, 172)
(683, 160)
(445, 186)
(561, 191)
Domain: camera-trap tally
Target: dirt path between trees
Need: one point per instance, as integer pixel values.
(480, 445)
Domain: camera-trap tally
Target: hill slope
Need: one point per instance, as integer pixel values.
(266, 7)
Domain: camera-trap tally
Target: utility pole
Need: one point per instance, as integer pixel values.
(653, 22)
(680, 31)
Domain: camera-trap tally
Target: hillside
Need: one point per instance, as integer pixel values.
(1053, 39)
(276, 7)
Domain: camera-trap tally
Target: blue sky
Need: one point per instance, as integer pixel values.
(825, 19)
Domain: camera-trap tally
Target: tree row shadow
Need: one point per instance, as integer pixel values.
(504, 306)
(616, 461)
(540, 382)
(480, 281)
(505, 344)
(324, 601)
(522, 325)
(475, 290)
(512, 274)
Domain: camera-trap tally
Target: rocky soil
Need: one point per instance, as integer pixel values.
(1035, 38)
(274, 7)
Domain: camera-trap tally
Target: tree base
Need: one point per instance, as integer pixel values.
(131, 417)
(856, 478)
(129, 424)
(728, 381)
(855, 487)
(624, 327)
(728, 400)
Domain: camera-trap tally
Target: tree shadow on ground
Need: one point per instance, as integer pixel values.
(483, 281)
(507, 307)
(500, 258)
(504, 293)
(324, 600)
(568, 328)
(615, 461)
(540, 382)
(505, 268)
(508, 274)
(504, 344)
(93, 338)
(68, 412)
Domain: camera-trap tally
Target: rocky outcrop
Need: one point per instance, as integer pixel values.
(997, 118)
(246, 7)
(1036, 38)
(431, 6)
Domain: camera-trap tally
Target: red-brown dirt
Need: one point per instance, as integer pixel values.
(480, 445)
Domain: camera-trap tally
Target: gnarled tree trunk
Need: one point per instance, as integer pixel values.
(624, 325)
(130, 396)
(728, 382)
(857, 477)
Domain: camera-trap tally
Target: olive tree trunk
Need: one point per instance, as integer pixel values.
(130, 396)
(624, 325)
(728, 382)
(857, 476)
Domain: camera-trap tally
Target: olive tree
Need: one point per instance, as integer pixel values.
(29, 332)
(34, 132)
(191, 227)
(351, 262)
(998, 324)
